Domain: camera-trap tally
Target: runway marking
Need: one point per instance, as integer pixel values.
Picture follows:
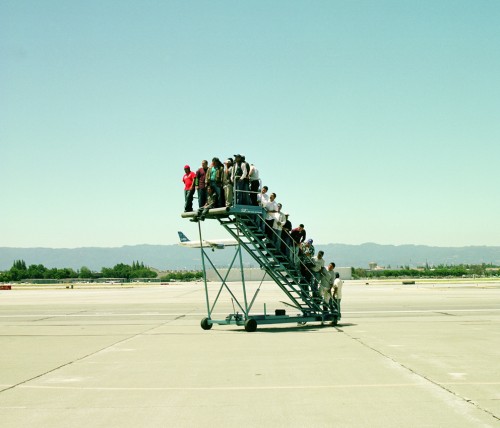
(249, 388)
(458, 375)
(156, 314)
(437, 310)
(441, 390)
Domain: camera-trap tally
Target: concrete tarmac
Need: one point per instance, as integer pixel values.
(423, 355)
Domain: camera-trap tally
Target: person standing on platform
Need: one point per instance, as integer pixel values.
(214, 179)
(226, 181)
(240, 180)
(253, 176)
(188, 180)
(201, 175)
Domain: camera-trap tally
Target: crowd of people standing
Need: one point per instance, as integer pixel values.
(237, 182)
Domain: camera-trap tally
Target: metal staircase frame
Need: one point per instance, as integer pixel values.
(245, 224)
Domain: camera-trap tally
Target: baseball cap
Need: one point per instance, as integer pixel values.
(186, 167)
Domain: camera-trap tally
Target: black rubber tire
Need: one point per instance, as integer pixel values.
(250, 325)
(335, 320)
(205, 325)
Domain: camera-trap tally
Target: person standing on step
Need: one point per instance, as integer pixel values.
(279, 221)
(262, 199)
(285, 237)
(326, 283)
(317, 266)
(298, 236)
(271, 208)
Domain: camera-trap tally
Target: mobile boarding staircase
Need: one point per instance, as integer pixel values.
(245, 224)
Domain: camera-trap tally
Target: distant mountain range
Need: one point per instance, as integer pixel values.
(174, 257)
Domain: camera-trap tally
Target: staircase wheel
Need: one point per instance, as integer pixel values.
(205, 325)
(250, 325)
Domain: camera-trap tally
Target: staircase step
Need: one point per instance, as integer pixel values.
(276, 264)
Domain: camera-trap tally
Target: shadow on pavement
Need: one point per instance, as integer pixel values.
(298, 328)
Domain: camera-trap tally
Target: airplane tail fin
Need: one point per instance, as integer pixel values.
(182, 237)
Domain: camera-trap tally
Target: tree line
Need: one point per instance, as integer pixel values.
(21, 272)
(440, 271)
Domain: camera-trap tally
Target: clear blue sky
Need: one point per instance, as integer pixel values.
(373, 121)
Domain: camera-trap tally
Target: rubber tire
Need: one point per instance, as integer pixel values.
(335, 321)
(250, 325)
(205, 325)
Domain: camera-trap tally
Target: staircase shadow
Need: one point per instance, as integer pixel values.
(300, 328)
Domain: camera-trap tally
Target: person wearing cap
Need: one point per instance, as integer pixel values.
(308, 248)
(306, 255)
(226, 182)
(188, 180)
(240, 179)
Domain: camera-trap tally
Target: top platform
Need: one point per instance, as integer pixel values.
(226, 211)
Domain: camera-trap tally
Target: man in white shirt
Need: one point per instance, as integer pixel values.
(327, 278)
(279, 221)
(318, 265)
(271, 207)
(337, 291)
(253, 176)
(227, 183)
(240, 179)
(262, 199)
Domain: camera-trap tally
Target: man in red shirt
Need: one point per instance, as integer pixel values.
(188, 180)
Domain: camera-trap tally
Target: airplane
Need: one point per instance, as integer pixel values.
(214, 244)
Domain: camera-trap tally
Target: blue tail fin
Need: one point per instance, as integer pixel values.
(183, 237)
